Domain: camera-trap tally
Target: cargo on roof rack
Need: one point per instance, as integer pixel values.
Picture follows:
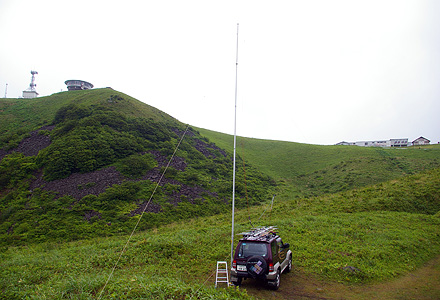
(260, 233)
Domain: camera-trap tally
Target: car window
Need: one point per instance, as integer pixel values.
(280, 243)
(274, 251)
(248, 249)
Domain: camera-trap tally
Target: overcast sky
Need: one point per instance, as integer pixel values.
(316, 72)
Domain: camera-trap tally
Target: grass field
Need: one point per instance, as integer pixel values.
(353, 216)
(311, 170)
(354, 243)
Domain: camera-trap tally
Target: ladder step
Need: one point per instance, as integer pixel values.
(222, 269)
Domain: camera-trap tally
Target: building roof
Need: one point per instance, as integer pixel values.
(78, 84)
(421, 139)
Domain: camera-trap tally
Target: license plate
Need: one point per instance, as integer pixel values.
(241, 268)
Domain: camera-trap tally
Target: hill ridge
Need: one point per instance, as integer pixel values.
(351, 215)
(98, 153)
(97, 161)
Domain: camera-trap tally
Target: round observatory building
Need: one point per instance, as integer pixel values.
(75, 85)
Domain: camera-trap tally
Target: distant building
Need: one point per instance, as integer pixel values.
(399, 143)
(31, 92)
(379, 143)
(74, 85)
(345, 144)
(421, 141)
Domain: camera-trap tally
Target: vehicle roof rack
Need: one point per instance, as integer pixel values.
(260, 233)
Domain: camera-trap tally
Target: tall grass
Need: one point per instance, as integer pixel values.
(173, 262)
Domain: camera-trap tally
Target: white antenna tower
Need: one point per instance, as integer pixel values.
(31, 92)
(6, 91)
(33, 85)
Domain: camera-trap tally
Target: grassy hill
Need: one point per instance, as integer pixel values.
(352, 237)
(311, 170)
(78, 168)
(21, 116)
(90, 162)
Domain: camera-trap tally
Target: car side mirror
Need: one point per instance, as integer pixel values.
(286, 245)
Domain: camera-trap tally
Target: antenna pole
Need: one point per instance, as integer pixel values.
(6, 91)
(235, 144)
(33, 85)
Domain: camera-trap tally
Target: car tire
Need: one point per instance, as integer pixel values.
(275, 285)
(238, 282)
(289, 265)
(256, 272)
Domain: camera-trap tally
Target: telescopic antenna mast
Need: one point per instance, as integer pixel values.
(235, 144)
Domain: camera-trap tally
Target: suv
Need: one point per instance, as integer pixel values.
(261, 254)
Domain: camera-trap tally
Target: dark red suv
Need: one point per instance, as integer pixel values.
(261, 254)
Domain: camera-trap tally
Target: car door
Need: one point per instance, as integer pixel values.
(282, 252)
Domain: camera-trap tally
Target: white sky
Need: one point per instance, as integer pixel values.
(315, 72)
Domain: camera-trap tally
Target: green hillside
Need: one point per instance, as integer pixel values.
(21, 116)
(77, 169)
(90, 162)
(311, 170)
(379, 238)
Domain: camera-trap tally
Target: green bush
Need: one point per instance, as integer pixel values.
(135, 166)
(88, 138)
(14, 168)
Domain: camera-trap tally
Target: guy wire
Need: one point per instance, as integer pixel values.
(143, 211)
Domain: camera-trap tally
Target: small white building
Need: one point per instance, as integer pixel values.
(381, 143)
(30, 94)
(421, 141)
(378, 143)
(343, 143)
(399, 143)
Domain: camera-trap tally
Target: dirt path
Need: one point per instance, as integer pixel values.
(423, 284)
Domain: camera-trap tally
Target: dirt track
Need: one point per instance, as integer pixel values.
(423, 284)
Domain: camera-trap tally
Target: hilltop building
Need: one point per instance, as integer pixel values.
(343, 143)
(31, 92)
(74, 85)
(399, 143)
(394, 143)
(421, 141)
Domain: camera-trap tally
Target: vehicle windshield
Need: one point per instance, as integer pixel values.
(248, 249)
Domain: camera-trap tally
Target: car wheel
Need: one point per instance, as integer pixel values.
(276, 283)
(238, 282)
(289, 265)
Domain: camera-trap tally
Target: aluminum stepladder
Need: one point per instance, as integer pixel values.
(221, 276)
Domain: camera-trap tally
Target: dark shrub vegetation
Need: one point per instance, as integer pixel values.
(101, 140)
